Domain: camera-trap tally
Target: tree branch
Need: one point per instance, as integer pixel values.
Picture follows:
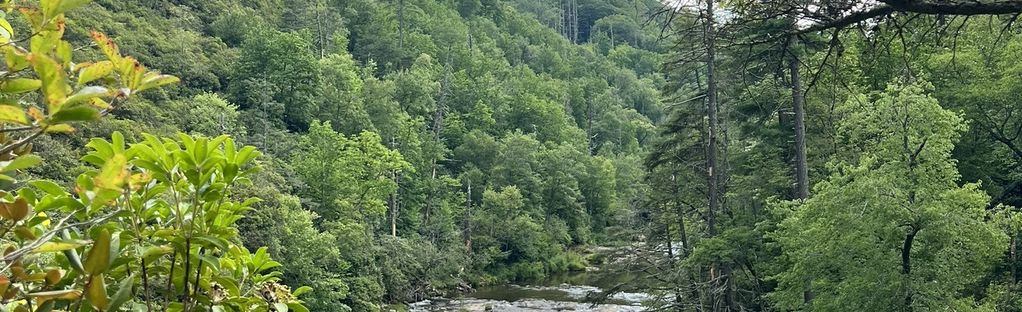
(934, 7)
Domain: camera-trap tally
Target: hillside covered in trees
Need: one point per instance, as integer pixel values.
(364, 155)
(409, 148)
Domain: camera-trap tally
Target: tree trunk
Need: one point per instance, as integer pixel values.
(589, 126)
(320, 31)
(570, 20)
(711, 111)
(798, 105)
(438, 126)
(401, 24)
(714, 170)
(1014, 258)
(574, 21)
(393, 207)
(679, 210)
(611, 37)
(468, 216)
(673, 261)
(394, 197)
(801, 162)
(906, 265)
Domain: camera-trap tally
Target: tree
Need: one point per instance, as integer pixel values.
(464, 87)
(715, 173)
(341, 101)
(347, 178)
(891, 228)
(290, 235)
(285, 60)
(207, 114)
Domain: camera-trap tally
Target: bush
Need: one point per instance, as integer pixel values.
(570, 261)
(526, 271)
(414, 269)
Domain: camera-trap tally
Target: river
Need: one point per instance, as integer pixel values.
(564, 292)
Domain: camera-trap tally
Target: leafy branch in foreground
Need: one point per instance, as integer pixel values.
(155, 219)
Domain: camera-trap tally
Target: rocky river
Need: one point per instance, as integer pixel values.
(567, 292)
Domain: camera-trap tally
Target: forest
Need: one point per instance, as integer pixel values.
(417, 155)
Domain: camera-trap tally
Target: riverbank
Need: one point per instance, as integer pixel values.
(511, 297)
(574, 290)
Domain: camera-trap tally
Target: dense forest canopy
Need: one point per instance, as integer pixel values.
(409, 148)
(839, 155)
(360, 155)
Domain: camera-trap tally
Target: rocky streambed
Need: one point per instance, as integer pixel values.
(518, 298)
(576, 291)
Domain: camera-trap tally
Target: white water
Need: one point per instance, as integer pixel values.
(514, 298)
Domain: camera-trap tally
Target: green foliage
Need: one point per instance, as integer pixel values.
(894, 213)
(413, 267)
(311, 256)
(898, 165)
(510, 242)
(347, 177)
(277, 74)
(424, 105)
(141, 205)
(207, 114)
(567, 262)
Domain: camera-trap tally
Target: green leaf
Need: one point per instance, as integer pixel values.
(55, 246)
(98, 259)
(100, 103)
(113, 173)
(22, 162)
(64, 51)
(108, 47)
(229, 284)
(54, 81)
(95, 71)
(81, 113)
(155, 81)
(6, 31)
(115, 248)
(71, 254)
(132, 72)
(21, 85)
(60, 128)
(157, 251)
(86, 95)
(45, 42)
(122, 295)
(49, 7)
(213, 242)
(212, 261)
(117, 142)
(13, 114)
(297, 307)
(16, 60)
(70, 294)
(280, 307)
(45, 307)
(52, 8)
(96, 293)
(301, 290)
(268, 265)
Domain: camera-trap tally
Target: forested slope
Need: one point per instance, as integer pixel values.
(411, 146)
(838, 156)
(184, 155)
